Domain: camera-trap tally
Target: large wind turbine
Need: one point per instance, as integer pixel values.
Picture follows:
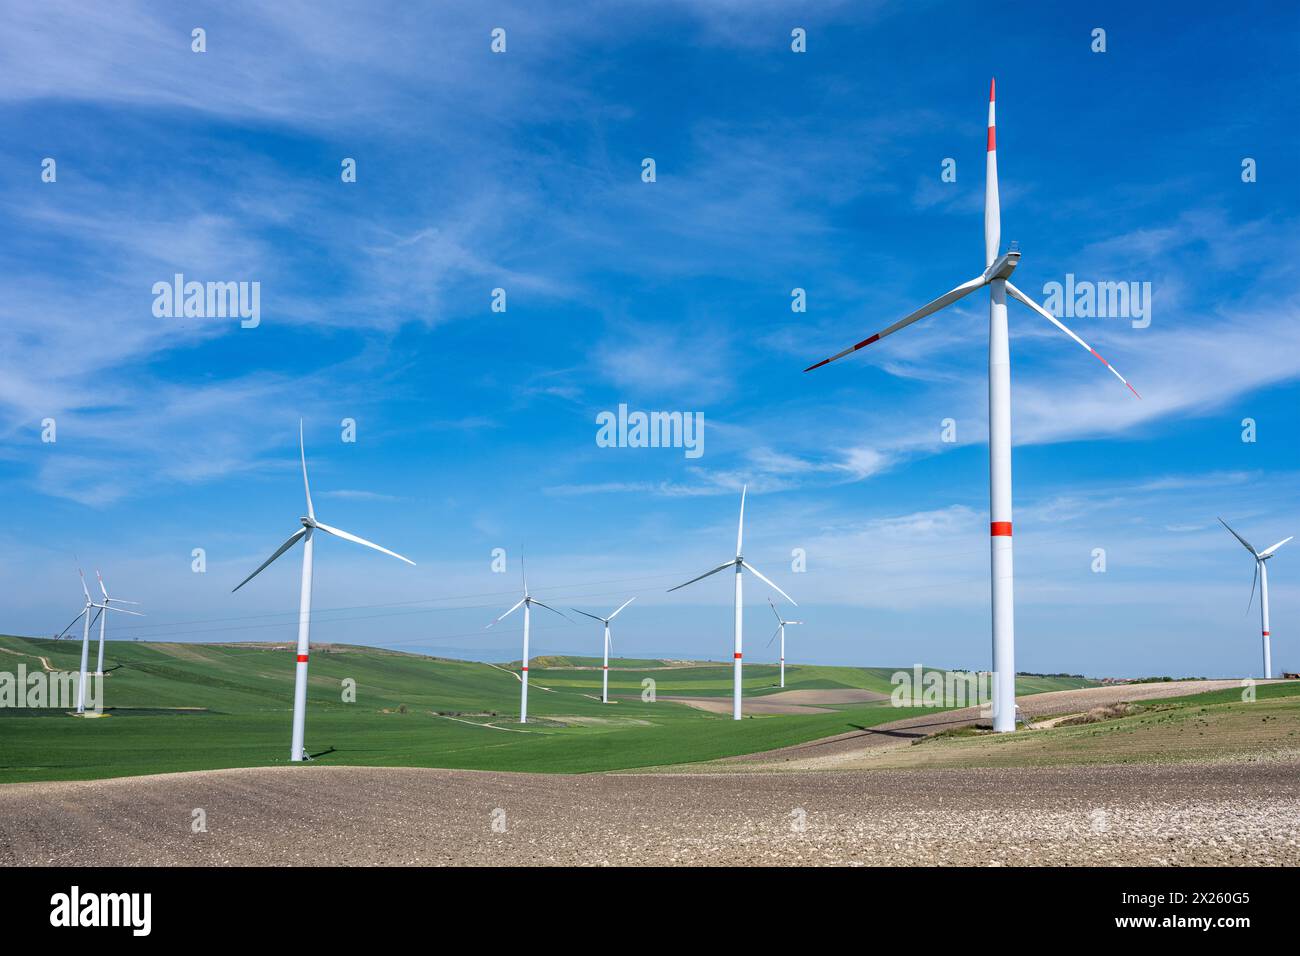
(309, 526)
(780, 629)
(604, 682)
(739, 563)
(99, 668)
(526, 602)
(85, 618)
(996, 276)
(1261, 574)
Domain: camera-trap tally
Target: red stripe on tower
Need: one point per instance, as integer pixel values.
(302, 658)
(525, 670)
(1000, 529)
(1266, 633)
(992, 126)
(737, 655)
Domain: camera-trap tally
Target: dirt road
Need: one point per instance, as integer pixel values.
(847, 751)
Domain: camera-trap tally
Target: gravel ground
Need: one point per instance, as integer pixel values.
(1224, 812)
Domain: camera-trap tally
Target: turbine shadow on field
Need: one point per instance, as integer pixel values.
(908, 733)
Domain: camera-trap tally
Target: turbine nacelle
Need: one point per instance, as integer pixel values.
(1003, 266)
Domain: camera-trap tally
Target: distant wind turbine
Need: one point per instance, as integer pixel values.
(604, 684)
(85, 618)
(310, 525)
(780, 629)
(1261, 575)
(526, 602)
(996, 275)
(99, 669)
(739, 563)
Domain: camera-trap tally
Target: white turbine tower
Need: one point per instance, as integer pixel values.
(1261, 575)
(526, 602)
(85, 618)
(996, 276)
(604, 681)
(780, 629)
(310, 525)
(740, 564)
(99, 668)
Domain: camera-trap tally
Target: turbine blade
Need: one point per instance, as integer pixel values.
(740, 528)
(992, 206)
(84, 589)
(509, 612)
(121, 601)
(523, 569)
(759, 574)
(788, 623)
(773, 637)
(620, 608)
(74, 621)
(1241, 539)
(533, 600)
(774, 610)
(347, 536)
(1253, 581)
(966, 288)
(119, 610)
(293, 539)
(100, 579)
(585, 614)
(1017, 294)
(720, 567)
(302, 451)
(1273, 547)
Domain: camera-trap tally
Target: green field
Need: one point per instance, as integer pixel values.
(175, 707)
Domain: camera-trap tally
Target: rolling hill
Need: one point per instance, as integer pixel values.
(174, 707)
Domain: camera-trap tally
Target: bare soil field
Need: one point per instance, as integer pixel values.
(751, 705)
(784, 702)
(1185, 814)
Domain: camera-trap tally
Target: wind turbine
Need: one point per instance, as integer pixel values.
(996, 275)
(780, 629)
(604, 683)
(526, 602)
(1261, 575)
(84, 617)
(309, 526)
(739, 563)
(99, 669)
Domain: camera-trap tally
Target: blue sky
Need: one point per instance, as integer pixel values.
(775, 170)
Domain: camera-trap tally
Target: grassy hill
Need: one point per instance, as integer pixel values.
(1217, 724)
(179, 707)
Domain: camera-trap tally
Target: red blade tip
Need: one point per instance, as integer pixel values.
(992, 85)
